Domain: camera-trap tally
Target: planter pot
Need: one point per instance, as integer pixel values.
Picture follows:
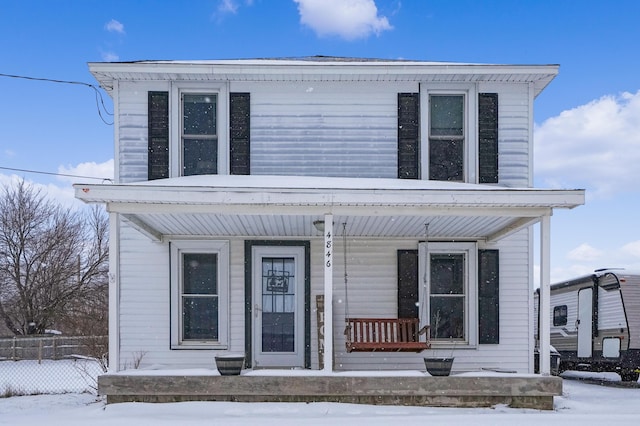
(438, 366)
(229, 365)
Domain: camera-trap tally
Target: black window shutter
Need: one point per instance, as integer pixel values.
(488, 137)
(408, 135)
(158, 136)
(408, 284)
(239, 130)
(488, 296)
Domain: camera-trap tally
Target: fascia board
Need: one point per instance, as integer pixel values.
(502, 198)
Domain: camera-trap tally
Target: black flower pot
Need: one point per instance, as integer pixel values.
(229, 365)
(438, 366)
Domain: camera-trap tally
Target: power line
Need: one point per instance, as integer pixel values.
(54, 174)
(98, 94)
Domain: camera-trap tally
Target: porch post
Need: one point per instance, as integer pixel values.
(114, 293)
(545, 297)
(328, 292)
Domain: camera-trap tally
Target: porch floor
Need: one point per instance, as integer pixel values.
(399, 388)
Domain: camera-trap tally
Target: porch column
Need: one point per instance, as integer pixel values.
(114, 293)
(545, 297)
(328, 293)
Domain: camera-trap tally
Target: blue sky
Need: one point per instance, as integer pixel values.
(587, 121)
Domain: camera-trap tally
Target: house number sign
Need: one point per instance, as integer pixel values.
(328, 243)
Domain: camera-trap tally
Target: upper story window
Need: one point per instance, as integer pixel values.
(458, 135)
(446, 137)
(198, 129)
(199, 133)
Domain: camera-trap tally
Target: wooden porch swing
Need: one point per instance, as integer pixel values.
(381, 334)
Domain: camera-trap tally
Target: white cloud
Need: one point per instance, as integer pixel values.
(349, 19)
(63, 195)
(632, 249)
(585, 253)
(110, 57)
(87, 172)
(228, 6)
(594, 146)
(114, 26)
(231, 6)
(60, 189)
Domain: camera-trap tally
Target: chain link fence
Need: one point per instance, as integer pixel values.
(51, 364)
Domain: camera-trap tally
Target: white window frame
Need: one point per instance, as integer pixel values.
(175, 123)
(470, 252)
(470, 154)
(221, 249)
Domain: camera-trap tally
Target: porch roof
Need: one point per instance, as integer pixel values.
(287, 206)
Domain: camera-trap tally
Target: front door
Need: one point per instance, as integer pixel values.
(278, 306)
(585, 322)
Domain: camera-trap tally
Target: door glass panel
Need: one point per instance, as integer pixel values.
(278, 304)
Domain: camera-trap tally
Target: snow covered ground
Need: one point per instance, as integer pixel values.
(581, 404)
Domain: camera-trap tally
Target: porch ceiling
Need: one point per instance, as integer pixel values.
(273, 206)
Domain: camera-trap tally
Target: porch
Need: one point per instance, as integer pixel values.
(479, 389)
(272, 210)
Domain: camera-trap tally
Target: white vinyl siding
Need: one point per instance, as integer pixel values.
(316, 129)
(514, 133)
(372, 291)
(345, 129)
(324, 129)
(131, 133)
(145, 318)
(145, 305)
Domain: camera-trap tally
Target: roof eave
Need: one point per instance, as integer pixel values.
(107, 72)
(504, 198)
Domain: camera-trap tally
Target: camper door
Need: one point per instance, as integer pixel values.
(584, 323)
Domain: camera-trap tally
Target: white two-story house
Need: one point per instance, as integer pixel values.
(257, 204)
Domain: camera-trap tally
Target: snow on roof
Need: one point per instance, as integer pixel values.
(311, 182)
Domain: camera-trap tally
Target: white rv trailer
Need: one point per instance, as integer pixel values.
(595, 322)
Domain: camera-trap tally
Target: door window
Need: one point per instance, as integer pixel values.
(278, 304)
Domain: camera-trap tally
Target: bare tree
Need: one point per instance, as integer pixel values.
(53, 261)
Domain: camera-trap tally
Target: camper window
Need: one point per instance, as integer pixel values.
(560, 315)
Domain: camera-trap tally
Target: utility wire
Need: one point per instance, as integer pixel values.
(55, 174)
(98, 94)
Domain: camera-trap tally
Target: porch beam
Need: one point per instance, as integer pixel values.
(545, 297)
(319, 210)
(512, 228)
(143, 227)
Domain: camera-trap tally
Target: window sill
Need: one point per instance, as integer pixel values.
(200, 346)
